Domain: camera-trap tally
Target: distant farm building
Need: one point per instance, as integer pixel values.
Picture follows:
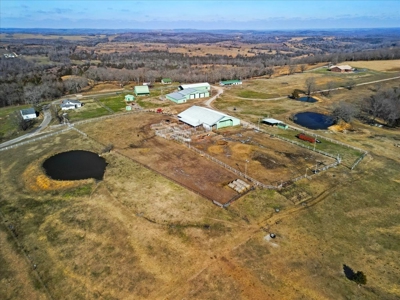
(142, 90)
(203, 85)
(70, 104)
(274, 122)
(230, 82)
(190, 91)
(210, 119)
(28, 113)
(129, 98)
(341, 69)
(166, 81)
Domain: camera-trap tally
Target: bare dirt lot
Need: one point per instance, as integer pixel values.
(266, 159)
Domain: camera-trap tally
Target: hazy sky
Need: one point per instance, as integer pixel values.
(232, 14)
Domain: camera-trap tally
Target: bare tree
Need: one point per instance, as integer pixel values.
(344, 111)
(269, 71)
(303, 68)
(310, 85)
(292, 69)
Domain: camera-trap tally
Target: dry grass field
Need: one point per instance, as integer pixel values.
(139, 235)
(228, 48)
(378, 65)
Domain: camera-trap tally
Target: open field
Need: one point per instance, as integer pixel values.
(138, 234)
(378, 65)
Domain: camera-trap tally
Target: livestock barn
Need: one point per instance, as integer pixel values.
(210, 119)
(142, 90)
(203, 85)
(190, 91)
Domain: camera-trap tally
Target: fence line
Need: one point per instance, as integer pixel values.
(35, 139)
(358, 160)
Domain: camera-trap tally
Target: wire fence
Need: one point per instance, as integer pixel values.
(358, 160)
(35, 139)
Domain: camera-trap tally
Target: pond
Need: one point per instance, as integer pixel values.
(75, 165)
(307, 99)
(313, 120)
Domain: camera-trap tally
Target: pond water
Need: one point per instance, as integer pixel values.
(313, 120)
(75, 165)
(307, 99)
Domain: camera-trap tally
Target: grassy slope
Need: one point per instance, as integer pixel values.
(137, 235)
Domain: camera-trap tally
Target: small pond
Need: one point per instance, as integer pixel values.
(75, 165)
(307, 99)
(313, 120)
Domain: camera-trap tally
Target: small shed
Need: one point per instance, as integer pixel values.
(275, 122)
(271, 121)
(166, 81)
(142, 90)
(129, 98)
(28, 113)
(128, 107)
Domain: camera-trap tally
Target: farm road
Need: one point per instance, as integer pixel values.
(320, 91)
(43, 125)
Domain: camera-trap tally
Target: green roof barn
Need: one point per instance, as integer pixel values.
(166, 81)
(142, 90)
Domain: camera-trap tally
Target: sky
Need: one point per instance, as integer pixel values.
(205, 14)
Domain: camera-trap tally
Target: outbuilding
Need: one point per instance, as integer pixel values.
(210, 119)
(28, 113)
(129, 98)
(187, 94)
(142, 90)
(203, 85)
(275, 122)
(230, 82)
(166, 81)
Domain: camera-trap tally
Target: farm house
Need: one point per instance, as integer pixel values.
(210, 119)
(142, 90)
(129, 98)
(28, 113)
(187, 94)
(341, 69)
(70, 104)
(230, 82)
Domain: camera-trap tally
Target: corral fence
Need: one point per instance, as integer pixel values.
(358, 160)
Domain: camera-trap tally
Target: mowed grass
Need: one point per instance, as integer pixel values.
(8, 128)
(116, 103)
(89, 110)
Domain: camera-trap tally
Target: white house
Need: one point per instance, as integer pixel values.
(28, 114)
(70, 104)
